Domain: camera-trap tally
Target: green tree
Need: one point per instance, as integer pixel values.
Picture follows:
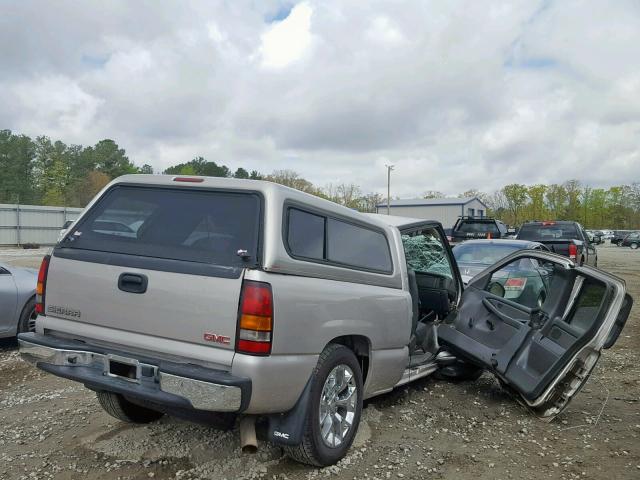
(573, 190)
(292, 179)
(17, 166)
(111, 159)
(516, 197)
(556, 197)
(241, 173)
(199, 166)
(537, 208)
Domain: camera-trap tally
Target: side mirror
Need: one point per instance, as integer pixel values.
(66, 224)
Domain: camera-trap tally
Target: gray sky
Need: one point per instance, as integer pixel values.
(457, 95)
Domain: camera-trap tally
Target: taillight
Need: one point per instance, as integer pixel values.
(255, 319)
(188, 179)
(515, 283)
(41, 286)
(573, 251)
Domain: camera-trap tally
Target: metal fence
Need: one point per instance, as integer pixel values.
(21, 224)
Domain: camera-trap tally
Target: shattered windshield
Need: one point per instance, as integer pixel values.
(425, 253)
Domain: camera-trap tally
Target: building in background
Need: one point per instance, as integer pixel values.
(443, 210)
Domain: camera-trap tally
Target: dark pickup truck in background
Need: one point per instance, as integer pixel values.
(562, 237)
(474, 228)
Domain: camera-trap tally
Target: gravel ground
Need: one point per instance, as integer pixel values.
(53, 428)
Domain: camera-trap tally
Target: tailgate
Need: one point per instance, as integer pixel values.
(175, 306)
(460, 236)
(561, 247)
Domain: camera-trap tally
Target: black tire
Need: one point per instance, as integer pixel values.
(634, 246)
(459, 372)
(313, 450)
(27, 317)
(119, 407)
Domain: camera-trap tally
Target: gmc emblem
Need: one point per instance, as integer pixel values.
(214, 337)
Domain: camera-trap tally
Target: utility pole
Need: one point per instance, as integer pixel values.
(389, 168)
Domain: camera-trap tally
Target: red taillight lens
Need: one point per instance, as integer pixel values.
(573, 251)
(255, 319)
(41, 286)
(515, 283)
(257, 299)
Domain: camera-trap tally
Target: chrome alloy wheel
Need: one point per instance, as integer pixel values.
(337, 405)
(31, 325)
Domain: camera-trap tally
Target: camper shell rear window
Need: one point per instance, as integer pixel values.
(193, 225)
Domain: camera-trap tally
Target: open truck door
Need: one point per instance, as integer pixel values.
(538, 322)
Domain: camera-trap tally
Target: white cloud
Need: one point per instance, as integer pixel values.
(383, 31)
(456, 95)
(57, 101)
(286, 41)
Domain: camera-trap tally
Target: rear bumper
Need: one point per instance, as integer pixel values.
(158, 381)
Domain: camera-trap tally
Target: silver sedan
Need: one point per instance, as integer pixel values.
(17, 300)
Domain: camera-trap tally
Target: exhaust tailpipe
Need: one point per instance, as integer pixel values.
(248, 441)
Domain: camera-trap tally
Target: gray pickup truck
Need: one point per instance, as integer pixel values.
(207, 297)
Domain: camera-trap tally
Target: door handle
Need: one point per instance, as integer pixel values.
(133, 282)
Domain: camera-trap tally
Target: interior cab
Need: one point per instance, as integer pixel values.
(434, 284)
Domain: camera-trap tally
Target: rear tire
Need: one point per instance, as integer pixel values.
(27, 322)
(315, 449)
(119, 407)
(634, 246)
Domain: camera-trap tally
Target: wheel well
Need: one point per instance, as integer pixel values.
(361, 346)
(23, 310)
(25, 305)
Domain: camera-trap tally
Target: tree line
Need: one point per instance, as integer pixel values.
(616, 207)
(44, 172)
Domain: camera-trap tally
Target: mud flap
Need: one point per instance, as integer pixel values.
(288, 428)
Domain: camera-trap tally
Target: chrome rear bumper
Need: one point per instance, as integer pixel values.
(160, 382)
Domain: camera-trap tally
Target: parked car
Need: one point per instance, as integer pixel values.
(632, 240)
(17, 300)
(618, 236)
(303, 311)
(562, 237)
(594, 236)
(476, 255)
(469, 228)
